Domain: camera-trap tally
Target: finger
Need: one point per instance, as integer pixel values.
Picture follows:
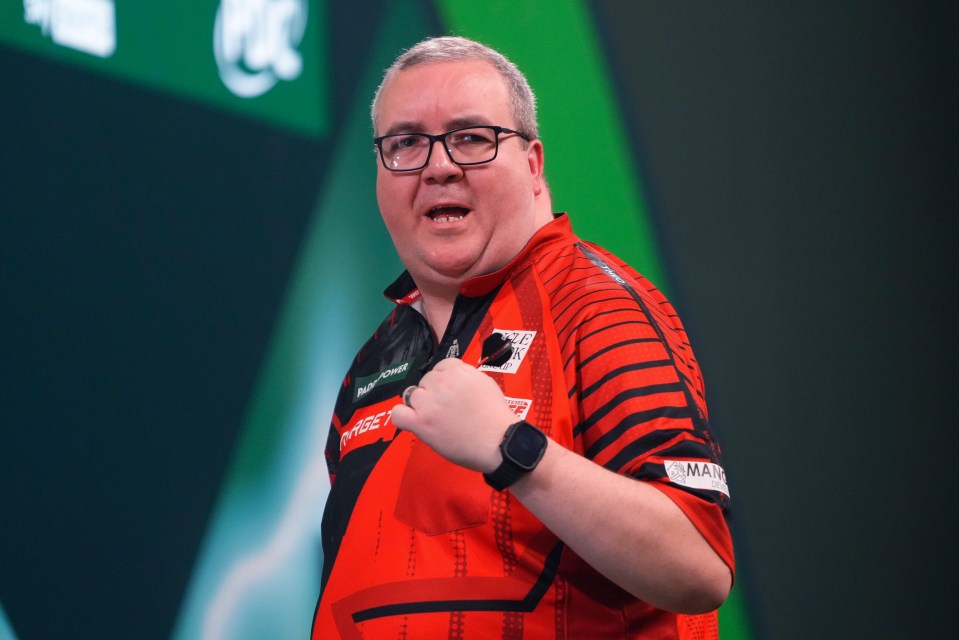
(440, 367)
(407, 393)
(403, 417)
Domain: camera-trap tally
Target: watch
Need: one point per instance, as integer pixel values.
(523, 447)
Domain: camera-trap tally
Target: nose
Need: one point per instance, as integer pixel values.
(440, 168)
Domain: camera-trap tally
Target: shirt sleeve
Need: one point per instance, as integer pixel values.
(640, 400)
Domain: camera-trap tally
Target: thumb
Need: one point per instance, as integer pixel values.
(404, 417)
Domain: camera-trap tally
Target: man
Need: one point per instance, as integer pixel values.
(572, 491)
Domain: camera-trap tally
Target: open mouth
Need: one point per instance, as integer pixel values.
(447, 214)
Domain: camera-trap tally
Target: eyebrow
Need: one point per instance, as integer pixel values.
(411, 126)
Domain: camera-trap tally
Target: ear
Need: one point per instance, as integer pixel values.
(536, 159)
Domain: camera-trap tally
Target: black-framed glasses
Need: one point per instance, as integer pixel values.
(465, 146)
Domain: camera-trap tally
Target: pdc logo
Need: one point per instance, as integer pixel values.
(255, 43)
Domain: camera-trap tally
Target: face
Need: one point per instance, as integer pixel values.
(451, 223)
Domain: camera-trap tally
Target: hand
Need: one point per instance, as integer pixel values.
(460, 413)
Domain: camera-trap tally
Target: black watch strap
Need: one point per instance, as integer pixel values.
(522, 448)
(503, 476)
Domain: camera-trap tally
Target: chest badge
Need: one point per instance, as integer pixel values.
(521, 341)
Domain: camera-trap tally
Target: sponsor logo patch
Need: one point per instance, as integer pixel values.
(368, 425)
(521, 342)
(612, 274)
(697, 475)
(367, 383)
(519, 406)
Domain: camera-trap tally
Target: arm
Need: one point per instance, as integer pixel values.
(626, 529)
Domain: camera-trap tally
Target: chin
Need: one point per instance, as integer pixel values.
(454, 267)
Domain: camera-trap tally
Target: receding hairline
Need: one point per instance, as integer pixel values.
(450, 49)
(439, 63)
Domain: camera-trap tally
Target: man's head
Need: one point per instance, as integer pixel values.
(450, 222)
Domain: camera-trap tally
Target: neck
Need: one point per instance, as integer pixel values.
(437, 309)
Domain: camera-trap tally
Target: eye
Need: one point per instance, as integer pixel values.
(472, 137)
(402, 142)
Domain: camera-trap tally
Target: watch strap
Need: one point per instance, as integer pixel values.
(504, 475)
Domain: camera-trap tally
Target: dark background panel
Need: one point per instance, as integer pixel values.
(146, 246)
(140, 274)
(801, 161)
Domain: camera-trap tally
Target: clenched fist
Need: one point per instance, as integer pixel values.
(460, 412)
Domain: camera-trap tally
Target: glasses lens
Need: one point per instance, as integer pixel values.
(472, 146)
(410, 151)
(405, 151)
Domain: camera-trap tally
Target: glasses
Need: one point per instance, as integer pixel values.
(466, 146)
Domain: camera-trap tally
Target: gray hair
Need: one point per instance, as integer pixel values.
(457, 49)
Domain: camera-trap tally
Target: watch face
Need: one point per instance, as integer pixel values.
(525, 445)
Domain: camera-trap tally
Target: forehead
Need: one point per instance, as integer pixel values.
(438, 95)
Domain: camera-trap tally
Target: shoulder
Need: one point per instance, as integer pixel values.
(587, 278)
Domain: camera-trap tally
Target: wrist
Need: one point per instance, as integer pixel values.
(521, 450)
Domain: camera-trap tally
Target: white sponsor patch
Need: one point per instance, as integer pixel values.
(521, 342)
(697, 475)
(519, 406)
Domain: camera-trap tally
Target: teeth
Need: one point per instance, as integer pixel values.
(446, 218)
(447, 214)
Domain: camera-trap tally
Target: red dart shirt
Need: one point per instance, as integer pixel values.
(417, 547)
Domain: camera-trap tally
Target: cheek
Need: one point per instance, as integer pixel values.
(390, 200)
(395, 191)
(382, 189)
(513, 195)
